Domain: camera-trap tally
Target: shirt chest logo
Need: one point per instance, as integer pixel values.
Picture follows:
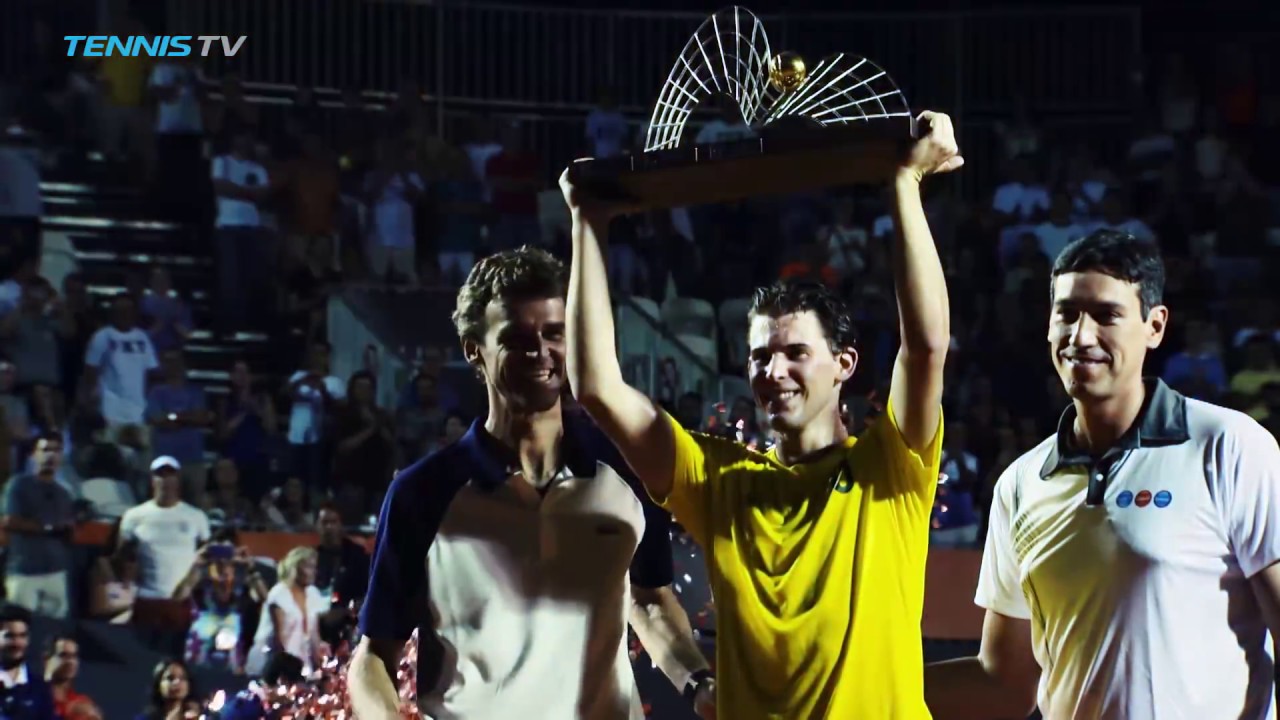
(1160, 499)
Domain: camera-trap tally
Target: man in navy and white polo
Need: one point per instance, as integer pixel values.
(1130, 568)
(521, 552)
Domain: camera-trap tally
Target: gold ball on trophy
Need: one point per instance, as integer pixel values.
(787, 71)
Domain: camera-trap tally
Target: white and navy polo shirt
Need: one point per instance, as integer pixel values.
(521, 601)
(1139, 597)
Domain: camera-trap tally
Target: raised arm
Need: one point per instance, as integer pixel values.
(924, 312)
(627, 416)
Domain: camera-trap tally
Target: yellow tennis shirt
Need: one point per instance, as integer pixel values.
(817, 572)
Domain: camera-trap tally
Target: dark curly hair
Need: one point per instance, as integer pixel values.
(1120, 255)
(787, 297)
(524, 274)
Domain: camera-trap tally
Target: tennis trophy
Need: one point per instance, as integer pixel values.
(842, 121)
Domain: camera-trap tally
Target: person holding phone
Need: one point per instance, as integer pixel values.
(226, 590)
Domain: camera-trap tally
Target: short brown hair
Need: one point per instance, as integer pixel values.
(524, 274)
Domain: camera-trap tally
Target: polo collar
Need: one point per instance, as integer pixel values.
(488, 459)
(1161, 422)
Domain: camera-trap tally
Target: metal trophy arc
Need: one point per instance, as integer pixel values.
(841, 122)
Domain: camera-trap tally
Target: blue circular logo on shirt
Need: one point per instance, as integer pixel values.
(1163, 498)
(1124, 499)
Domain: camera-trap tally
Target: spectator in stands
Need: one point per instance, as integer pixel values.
(455, 426)
(47, 411)
(418, 422)
(460, 200)
(392, 189)
(1058, 229)
(744, 421)
(61, 667)
(955, 520)
(728, 123)
(1116, 215)
(39, 519)
(315, 395)
(222, 499)
(226, 592)
(1259, 370)
(20, 206)
(430, 361)
(307, 288)
(608, 133)
(342, 564)
(285, 508)
(1261, 323)
(512, 176)
(171, 696)
(26, 695)
(305, 117)
(167, 530)
(178, 414)
(233, 114)
(167, 316)
(311, 186)
(342, 574)
(1022, 198)
(113, 582)
(364, 443)
(1197, 370)
(125, 133)
(31, 334)
(1020, 137)
(845, 239)
(689, 411)
(290, 617)
(117, 361)
(176, 87)
(84, 318)
(241, 185)
(246, 423)
(17, 415)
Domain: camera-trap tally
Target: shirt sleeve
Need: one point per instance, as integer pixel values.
(999, 580)
(13, 504)
(96, 354)
(150, 360)
(1248, 480)
(910, 470)
(397, 590)
(202, 527)
(690, 498)
(218, 168)
(128, 526)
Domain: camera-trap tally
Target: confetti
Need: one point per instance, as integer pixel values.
(320, 696)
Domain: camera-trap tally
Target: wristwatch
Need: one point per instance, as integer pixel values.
(695, 683)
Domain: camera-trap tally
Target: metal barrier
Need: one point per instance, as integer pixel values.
(559, 59)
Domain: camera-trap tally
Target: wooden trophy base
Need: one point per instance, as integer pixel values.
(782, 160)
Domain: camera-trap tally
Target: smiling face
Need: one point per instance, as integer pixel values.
(1098, 336)
(794, 375)
(521, 353)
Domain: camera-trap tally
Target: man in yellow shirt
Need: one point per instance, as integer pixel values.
(816, 549)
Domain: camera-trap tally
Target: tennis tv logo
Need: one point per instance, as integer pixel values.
(154, 46)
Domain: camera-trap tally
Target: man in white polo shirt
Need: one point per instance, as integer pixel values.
(521, 552)
(1129, 568)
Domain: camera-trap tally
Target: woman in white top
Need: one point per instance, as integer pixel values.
(290, 616)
